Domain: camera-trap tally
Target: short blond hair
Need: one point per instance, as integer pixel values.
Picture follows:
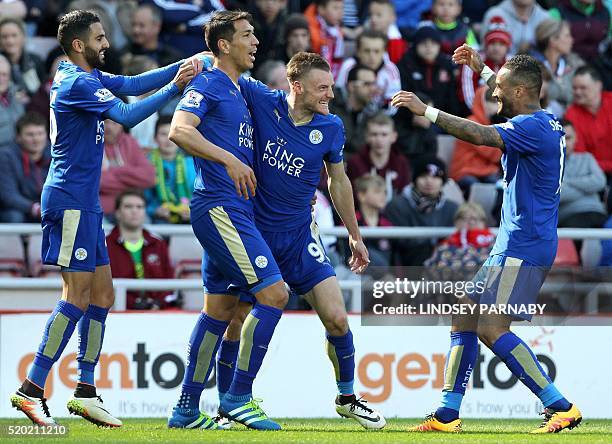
(367, 181)
(470, 207)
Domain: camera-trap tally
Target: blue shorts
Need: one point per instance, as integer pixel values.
(509, 281)
(74, 240)
(300, 256)
(235, 253)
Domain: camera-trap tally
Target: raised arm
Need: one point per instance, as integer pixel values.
(465, 55)
(463, 129)
(184, 132)
(341, 193)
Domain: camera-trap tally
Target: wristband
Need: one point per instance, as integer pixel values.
(486, 73)
(431, 114)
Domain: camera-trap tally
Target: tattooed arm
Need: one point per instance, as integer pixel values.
(463, 129)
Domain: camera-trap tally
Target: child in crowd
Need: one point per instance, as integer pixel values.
(454, 33)
(326, 38)
(383, 19)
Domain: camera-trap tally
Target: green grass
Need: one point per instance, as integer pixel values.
(318, 431)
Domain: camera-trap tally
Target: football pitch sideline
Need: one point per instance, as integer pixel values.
(319, 431)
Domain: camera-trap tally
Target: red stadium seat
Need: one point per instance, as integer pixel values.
(566, 254)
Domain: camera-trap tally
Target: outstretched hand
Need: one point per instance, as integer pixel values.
(465, 55)
(187, 71)
(409, 100)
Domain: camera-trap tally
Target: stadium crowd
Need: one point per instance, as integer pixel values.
(403, 169)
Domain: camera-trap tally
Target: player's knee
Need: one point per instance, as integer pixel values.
(233, 330)
(275, 296)
(337, 324)
(488, 334)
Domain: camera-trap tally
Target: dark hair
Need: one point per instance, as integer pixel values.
(354, 72)
(383, 2)
(30, 118)
(303, 62)
(372, 34)
(566, 122)
(295, 21)
(163, 120)
(588, 69)
(263, 73)
(14, 21)
(127, 193)
(75, 25)
(221, 26)
(525, 70)
(325, 2)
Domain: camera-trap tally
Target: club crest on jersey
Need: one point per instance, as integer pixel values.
(192, 99)
(261, 261)
(316, 137)
(80, 254)
(103, 95)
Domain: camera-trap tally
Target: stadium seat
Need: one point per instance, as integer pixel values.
(590, 253)
(446, 147)
(452, 192)
(566, 254)
(12, 256)
(186, 254)
(41, 46)
(37, 268)
(484, 194)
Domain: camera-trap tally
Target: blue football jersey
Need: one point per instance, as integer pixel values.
(225, 121)
(533, 164)
(288, 157)
(78, 100)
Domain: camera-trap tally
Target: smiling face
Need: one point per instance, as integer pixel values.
(317, 91)
(503, 94)
(243, 45)
(95, 46)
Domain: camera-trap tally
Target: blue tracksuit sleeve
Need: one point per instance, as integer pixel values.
(134, 113)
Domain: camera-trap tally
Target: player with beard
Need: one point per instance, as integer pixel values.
(81, 98)
(533, 146)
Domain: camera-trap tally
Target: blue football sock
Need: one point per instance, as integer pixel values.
(226, 362)
(256, 334)
(58, 331)
(525, 366)
(203, 345)
(91, 335)
(341, 352)
(460, 363)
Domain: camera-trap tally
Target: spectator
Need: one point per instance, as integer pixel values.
(324, 20)
(168, 201)
(409, 13)
(554, 45)
(355, 105)
(297, 37)
(453, 32)
(580, 205)
(472, 164)
(469, 246)
(273, 73)
(136, 253)
(23, 168)
(522, 17)
(421, 204)
(424, 68)
(11, 105)
(380, 157)
(144, 132)
(124, 166)
(497, 42)
(27, 69)
(591, 115)
(603, 63)
(40, 101)
(589, 21)
(383, 19)
(144, 38)
(371, 200)
(371, 53)
(416, 135)
(354, 14)
(269, 18)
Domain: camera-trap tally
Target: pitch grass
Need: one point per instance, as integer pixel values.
(319, 431)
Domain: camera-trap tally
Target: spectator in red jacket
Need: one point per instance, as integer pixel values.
(591, 114)
(124, 166)
(135, 253)
(379, 156)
